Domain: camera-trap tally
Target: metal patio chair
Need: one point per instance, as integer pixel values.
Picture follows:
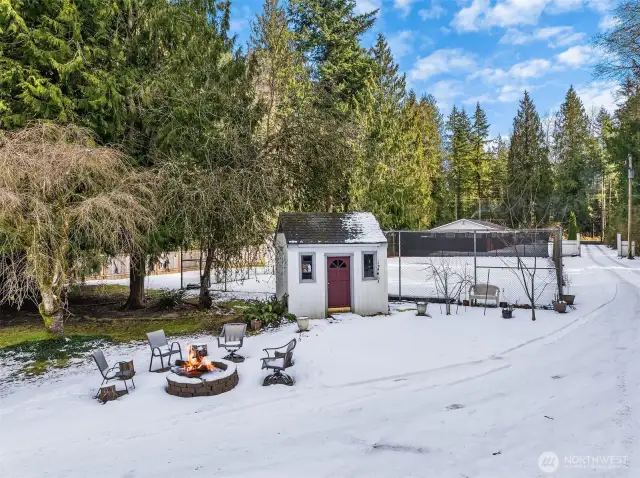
(111, 373)
(279, 359)
(232, 336)
(160, 348)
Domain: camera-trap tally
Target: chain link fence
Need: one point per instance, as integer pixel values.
(525, 265)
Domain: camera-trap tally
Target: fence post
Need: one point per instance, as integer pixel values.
(181, 271)
(475, 265)
(558, 259)
(399, 265)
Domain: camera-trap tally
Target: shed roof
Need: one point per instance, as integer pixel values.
(464, 225)
(330, 228)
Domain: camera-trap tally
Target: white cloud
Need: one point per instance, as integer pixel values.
(601, 6)
(485, 98)
(554, 36)
(479, 14)
(534, 68)
(441, 61)
(559, 6)
(401, 43)
(530, 69)
(366, 6)
(598, 94)
(404, 6)
(511, 93)
(577, 56)
(468, 18)
(433, 12)
(446, 91)
(608, 22)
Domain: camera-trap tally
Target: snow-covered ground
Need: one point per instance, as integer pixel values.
(257, 285)
(417, 278)
(466, 395)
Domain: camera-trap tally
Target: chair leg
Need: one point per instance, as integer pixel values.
(133, 383)
(162, 362)
(151, 362)
(125, 386)
(101, 384)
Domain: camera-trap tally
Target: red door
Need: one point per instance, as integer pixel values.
(339, 282)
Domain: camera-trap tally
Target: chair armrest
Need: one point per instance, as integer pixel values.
(175, 343)
(274, 349)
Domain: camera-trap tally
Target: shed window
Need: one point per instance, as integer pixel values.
(306, 267)
(369, 264)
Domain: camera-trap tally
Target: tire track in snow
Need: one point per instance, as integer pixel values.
(623, 358)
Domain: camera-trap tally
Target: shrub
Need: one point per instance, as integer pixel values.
(269, 312)
(171, 298)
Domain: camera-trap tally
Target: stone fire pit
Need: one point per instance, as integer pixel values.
(221, 380)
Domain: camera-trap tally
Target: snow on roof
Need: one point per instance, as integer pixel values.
(330, 228)
(470, 224)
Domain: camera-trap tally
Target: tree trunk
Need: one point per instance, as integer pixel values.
(137, 269)
(51, 311)
(204, 300)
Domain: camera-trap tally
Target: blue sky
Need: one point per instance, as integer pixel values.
(463, 51)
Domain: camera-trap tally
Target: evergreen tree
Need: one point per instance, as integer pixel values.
(460, 165)
(479, 141)
(328, 34)
(529, 171)
(498, 161)
(574, 171)
(59, 60)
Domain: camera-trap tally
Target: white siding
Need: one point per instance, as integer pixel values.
(461, 225)
(281, 266)
(368, 297)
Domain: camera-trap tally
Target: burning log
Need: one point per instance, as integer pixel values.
(196, 364)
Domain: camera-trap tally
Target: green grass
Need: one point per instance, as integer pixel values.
(40, 351)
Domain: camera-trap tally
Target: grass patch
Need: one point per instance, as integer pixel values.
(40, 351)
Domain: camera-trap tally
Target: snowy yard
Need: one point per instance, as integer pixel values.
(465, 395)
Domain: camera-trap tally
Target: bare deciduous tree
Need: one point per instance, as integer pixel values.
(61, 196)
(449, 278)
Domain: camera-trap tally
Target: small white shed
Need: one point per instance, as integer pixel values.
(331, 262)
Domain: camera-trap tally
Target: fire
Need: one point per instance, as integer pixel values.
(197, 362)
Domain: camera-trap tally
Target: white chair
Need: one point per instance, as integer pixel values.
(160, 348)
(231, 339)
(484, 292)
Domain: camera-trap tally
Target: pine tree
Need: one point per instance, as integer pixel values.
(573, 170)
(529, 171)
(479, 140)
(60, 61)
(328, 34)
(498, 164)
(460, 161)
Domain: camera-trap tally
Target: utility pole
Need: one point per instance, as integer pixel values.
(630, 175)
(603, 203)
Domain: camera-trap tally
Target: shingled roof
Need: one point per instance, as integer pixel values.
(330, 228)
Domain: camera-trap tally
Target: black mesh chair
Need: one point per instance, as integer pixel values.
(111, 373)
(279, 359)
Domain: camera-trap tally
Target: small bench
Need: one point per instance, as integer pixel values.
(484, 292)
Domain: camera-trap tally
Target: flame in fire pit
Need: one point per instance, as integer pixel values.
(197, 362)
